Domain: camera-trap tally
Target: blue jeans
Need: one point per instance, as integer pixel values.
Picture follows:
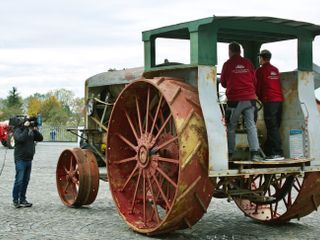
(23, 171)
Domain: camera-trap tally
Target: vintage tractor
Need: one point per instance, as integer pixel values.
(6, 135)
(165, 134)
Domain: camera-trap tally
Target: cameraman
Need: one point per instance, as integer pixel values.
(25, 136)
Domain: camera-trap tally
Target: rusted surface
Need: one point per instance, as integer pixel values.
(290, 196)
(277, 162)
(114, 77)
(77, 177)
(158, 181)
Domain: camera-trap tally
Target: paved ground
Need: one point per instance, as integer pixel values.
(49, 219)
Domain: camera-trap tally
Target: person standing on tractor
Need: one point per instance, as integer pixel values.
(270, 94)
(238, 78)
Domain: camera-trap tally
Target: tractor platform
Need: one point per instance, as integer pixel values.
(275, 162)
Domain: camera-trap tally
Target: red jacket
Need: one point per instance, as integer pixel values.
(238, 77)
(268, 84)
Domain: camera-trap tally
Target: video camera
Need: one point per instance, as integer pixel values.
(19, 120)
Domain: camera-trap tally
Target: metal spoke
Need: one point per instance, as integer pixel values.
(255, 177)
(131, 125)
(161, 117)
(126, 160)
(166, 177)
(298, 182)
(76, 168)
(67, 186)
(295, 187)
(155, 116)
(162, 145)
(152, 119)
(162, 127)
(260, 180)
(139, 116)
(163, 159)
(71, 166)
(168, 190)
(285, 203)
(154, 201)
(275, 209)
(127, 141)
(289, 198)
(161, 192)
(135, 191)
(271, 210)
(147, 110)
(129, 178)
(75, 191)
(144, 197)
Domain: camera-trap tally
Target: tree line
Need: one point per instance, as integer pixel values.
(58, 107)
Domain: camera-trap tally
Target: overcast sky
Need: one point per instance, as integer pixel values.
(50, 44)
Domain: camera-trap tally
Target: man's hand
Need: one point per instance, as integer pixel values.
(26, 124)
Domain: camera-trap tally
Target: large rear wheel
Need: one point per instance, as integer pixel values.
(158, 156)
(280, 197)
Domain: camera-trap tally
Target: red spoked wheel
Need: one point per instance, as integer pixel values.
(281, 196)
(77, 177)
(158, 156)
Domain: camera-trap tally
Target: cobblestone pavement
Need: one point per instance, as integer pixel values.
(50, 219)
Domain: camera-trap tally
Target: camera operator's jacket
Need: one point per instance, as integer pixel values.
(24, 143)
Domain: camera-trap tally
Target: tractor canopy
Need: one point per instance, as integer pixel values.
(250, 32)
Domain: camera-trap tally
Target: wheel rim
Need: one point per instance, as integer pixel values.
(77, 177)
(291, 196)
(145, 152)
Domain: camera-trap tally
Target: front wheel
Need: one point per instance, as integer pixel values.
(77, 177)
(280, 197)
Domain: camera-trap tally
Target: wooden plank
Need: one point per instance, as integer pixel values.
(277, 162)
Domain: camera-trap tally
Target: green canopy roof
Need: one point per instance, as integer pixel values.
(251, 32)
(239, 28)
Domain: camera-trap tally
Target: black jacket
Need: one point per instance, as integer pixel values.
(24, 143)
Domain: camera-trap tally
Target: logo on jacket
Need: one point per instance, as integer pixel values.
(239, 66)
(272, 73)
(240, 69)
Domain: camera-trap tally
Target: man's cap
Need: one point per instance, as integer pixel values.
(265, 54)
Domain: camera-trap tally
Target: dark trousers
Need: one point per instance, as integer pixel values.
(272, 118)
(23, 171)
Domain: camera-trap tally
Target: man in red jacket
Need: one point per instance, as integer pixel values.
(270, 94)
(237, 77)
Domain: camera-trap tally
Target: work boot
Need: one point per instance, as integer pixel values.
(25, 203)
(16, 204)
(256, 156)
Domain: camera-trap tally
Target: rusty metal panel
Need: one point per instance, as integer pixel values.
(216, 131)
(114, 77)
(292, 115)
(311, 114)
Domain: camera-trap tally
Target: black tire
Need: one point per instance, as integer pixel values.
(11, 141)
